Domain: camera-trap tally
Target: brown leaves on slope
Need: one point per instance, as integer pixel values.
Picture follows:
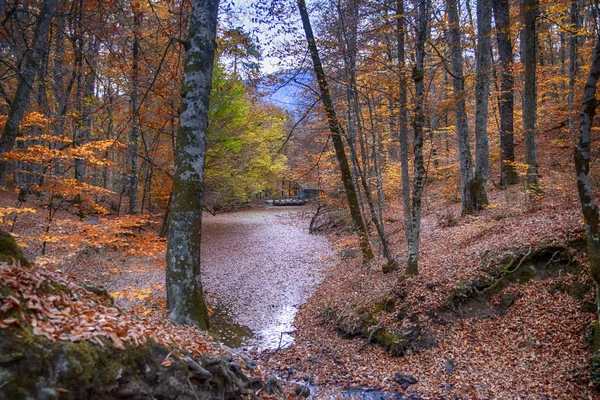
(59, 309)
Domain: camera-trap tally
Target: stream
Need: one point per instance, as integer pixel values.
(258, 266)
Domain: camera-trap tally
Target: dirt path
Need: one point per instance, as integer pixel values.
(260, 265)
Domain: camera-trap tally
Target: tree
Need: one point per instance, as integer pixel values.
(413, 226)
(470, 188)
(185, 297)
(529, 45)
(482, 92)
(134, 105)
(573, 64)
(508, 173)
(591, 212)
(336, 138)
(27, 75)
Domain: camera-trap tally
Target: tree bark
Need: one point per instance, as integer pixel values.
(27, 75)
(418, 74)
(482, 92)
(336, 137)
(403, 119)
(185, 297)
(134, 133)
(529, 45)
(470, 187)
(591, 213)
(508, 173)
(573, 62)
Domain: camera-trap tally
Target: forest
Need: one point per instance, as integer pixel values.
(284, 199)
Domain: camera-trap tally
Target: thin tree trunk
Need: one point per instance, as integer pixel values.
(134, 133)
(348, 38)
(27, 75)
(529, 45)
(403, 131)
(573, 63)
(508, 173)
(482, 92)
(185, 296)
(334, 127)
(85, 129)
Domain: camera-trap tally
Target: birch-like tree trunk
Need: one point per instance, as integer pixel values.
(29, 69)
(529, 52)
(185, 296)
(508, 173)
(482, 92)
(336, 138)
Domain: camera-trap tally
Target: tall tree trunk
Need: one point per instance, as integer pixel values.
(348, 38)
(508, 173)
(84, 130)
(529, 45)
(336, 137)
(27, 75)
(185, 296)
(591, 213)
(482, 92)
(403, 128)
(573, 62)
(134, 133)
(418, 74)
(469, 188)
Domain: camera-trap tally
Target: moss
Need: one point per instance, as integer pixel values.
(25, 371)
(54, 288)
(6, 291)
(394, 342)
(82, 359)
(9, 250)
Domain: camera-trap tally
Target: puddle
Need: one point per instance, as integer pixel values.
(261, 264)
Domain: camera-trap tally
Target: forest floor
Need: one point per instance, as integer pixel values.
(536, 348)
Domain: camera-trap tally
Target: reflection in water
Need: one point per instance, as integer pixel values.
(224, 328)
(278, 334)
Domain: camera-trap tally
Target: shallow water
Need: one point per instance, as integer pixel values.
(258, 267)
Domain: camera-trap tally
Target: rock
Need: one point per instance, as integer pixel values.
(449, 367)
(404, 380)
(273, 386)
(132, 388)
(48, 394)
(10, 250)
(302, 391)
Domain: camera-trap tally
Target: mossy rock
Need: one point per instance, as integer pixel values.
(10, 250)
(33, 367)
